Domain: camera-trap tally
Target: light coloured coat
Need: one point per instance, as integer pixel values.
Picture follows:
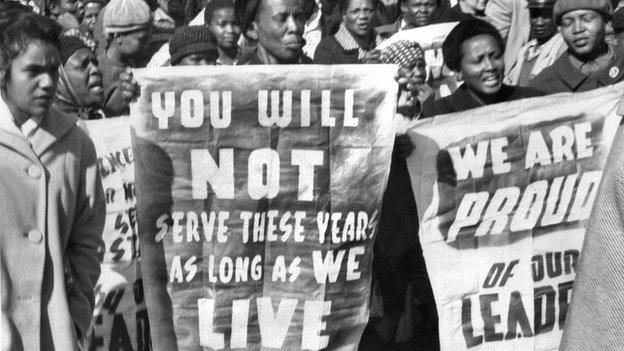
(513, 21)
(53, 211)
(550, 52)
(596, 313)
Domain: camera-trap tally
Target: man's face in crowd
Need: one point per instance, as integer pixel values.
(225, 28)
(279, 27)
(91, 11)
(69, 6)
(418, 13)
(583, 32)
(478, 6)
(133, 42)
(198, 59)
(30, 82)
(482, 64)
(85, 77)
(358, 17)
(543, 25)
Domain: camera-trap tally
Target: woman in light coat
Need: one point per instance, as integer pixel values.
(51, 195)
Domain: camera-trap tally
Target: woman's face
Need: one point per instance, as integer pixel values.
(482, 64)
(85, 77)
(358, 17)
(418, 71)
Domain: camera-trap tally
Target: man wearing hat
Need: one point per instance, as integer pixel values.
(540, 52)
(127, 26)
(589, 62)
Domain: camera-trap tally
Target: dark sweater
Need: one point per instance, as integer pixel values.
(462, 100)
(330, 52)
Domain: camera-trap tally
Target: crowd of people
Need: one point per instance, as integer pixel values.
(66, 60)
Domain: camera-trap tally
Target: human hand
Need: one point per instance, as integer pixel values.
(404, 145)
(371, 56)
(130, 89)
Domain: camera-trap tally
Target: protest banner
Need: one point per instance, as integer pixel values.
(504, 193)
(120, 316)
(259, 194)
(430, 38)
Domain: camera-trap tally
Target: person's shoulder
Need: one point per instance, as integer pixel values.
(524, 92)
(542, 79)
(65, 127)
(324, 49)
(438, 107)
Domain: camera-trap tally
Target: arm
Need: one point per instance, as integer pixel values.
(85, 245)
(499, 13)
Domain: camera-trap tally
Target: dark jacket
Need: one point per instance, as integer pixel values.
(461, 100)
(250, 57)
(114, 104)
(329, 52)
(563, 77)
(444, 15)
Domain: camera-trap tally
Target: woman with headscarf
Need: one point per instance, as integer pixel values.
(398, 265)
(475, 51)
(356, 38)
(80, 90)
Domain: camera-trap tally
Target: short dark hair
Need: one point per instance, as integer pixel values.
(452, 46)
(439, 2)
(344, 5)
(215, 5)
(20, 29)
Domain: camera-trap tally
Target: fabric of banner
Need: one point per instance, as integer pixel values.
(504, 193)
(120, 318)
(259, 193)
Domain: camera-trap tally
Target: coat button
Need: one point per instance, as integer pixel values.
(34, 172)
(35, 236)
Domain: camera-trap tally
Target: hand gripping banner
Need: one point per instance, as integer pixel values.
(504, 193)
(259, 194)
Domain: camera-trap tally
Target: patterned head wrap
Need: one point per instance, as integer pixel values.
(404, 53)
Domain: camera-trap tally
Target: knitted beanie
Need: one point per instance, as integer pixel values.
(565, 6)
(69, 45)
(122, 16)
(405, 53)
(191, 40)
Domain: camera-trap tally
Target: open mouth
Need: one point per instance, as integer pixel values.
(491, 81)
(580, 42)
(96, 87)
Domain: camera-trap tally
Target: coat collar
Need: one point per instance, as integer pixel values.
(573, 78)
(52, 129)
(348, 43)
